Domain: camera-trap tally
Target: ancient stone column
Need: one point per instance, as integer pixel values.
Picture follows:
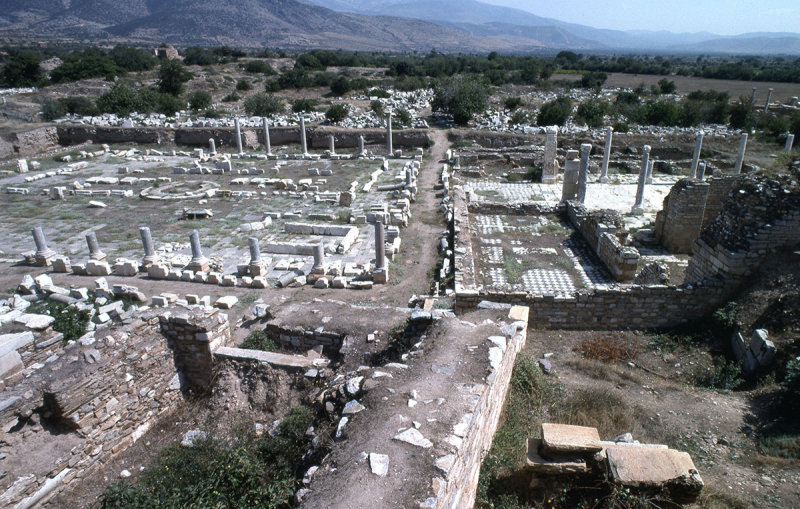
(332, 145)
(606, 155)
(361, 150)
(303, 144)
(255, 251)
(637, 206)
(789, 143)
(149, 251)
(380, 246)
(319, 256)
(698, 147)
(238, 135)
(389, 134)
(456, 162)
(550, 171)
(569, 187)
(649, 179)
(94, 248)
(740, 157)
(753, 96)
(199, 262)
(267, 142)
(212, 147)
(769, 98)
(44, 255)
(701, 171)
(409, 176)
(583, 174)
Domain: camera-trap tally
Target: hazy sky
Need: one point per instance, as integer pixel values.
(726, 17)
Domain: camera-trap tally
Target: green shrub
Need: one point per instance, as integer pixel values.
(723, 375)
(379, 93)
(171, 76)
(521, 117)
(512, 103)
(200, 100)
(401, 118)
(232, 98)
(555, 112)
(68, 321)
(301, 105)
(341, 86)
(377, 106)
(461, 97)
(243, 85)
(259, 340)
(592, 112)
(258, 67)
(336, 113)
(593, 79)
(262, 105)
(726, 315)
(22, 69)
(243, 470)
(51, 109)
(620, 127)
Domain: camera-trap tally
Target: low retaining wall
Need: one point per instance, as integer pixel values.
(601, 231)
(252, 137)
(462, 478)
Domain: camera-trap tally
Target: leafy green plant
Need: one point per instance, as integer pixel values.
(723, 375)
(259, 340)
(336, 113)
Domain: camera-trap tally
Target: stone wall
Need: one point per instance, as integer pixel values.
(462, 478)
(193, 337)
(28, 142)
(602, 230)
(252, 138)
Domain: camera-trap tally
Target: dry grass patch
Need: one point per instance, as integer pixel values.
(609, 349)
(600, 408)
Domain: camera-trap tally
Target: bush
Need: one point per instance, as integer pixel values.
(379, 93)
(171, 77)
(79, 105)
(592, 112)
(259, 340)
(262, 105)
(555, 112)
(212, 113)
(620, 127)
(232, 98)
(521, 117)
(259, 67)
(122, 100)
(666, 113)
(300, 105)
(593, 79)
(722, 376)
(22, 69)
(461, 97)
(377, 107)
(68, 321)
(90, 63)
(666, 86)
(512, 103)
(51, 109)
(308, 61)
(792, 377)
(597, 407)
(401, 118)
(200, 100)
(336, 113)
(741, 116)
(132, 59)
(242, 85)
(340, 86)
(243, 470)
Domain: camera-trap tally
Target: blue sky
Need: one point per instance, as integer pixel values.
(725, 17)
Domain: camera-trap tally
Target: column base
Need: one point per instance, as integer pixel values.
(637, 211)
(603, 180)
(380, 276)
(44, 258)
(257, 269)
(99, 257)
(198, 265)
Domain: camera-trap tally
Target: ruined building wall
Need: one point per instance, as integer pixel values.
(601, 232)
(462, 478)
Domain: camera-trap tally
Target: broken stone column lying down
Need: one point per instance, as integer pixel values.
(94, 248)
(637, 206)
(199, 262)
(381, 273)
(44, 255)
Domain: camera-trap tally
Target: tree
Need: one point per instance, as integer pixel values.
(300, 105)
(742, 114)
(258, 67)
(666, 86)
(340, 86)
(262, 105)
(51, 109)
(243, 85)
(512, 103)
(592, 111)
(22, 69)
(132, 59)
(593, 79)
(461, 97)
(555, 112)
(336, 113)
(200, 100)
(172, 75)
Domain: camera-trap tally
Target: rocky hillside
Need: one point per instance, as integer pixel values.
(246, 23)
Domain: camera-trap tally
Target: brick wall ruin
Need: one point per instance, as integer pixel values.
(602, 231)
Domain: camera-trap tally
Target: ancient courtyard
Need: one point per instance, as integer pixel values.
(373, 312)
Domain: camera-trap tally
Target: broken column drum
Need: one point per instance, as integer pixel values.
(789, 143)
(199, 262)
(43, 253)
(701, 171)
(238, 135)
(569, 187)
(389, 134)
(637, 207)
(698, 147)
(740, 157)
(303, 144)
(769, 98)
(94, 247)
(606, 155)
(380, 246)
(147, 243)
(319, 255)
(649, 179)
(267, 142)
(583, 174)
(361, 146)
(255, 251)
(212, 147)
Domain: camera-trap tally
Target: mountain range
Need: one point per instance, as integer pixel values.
(364, 25)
